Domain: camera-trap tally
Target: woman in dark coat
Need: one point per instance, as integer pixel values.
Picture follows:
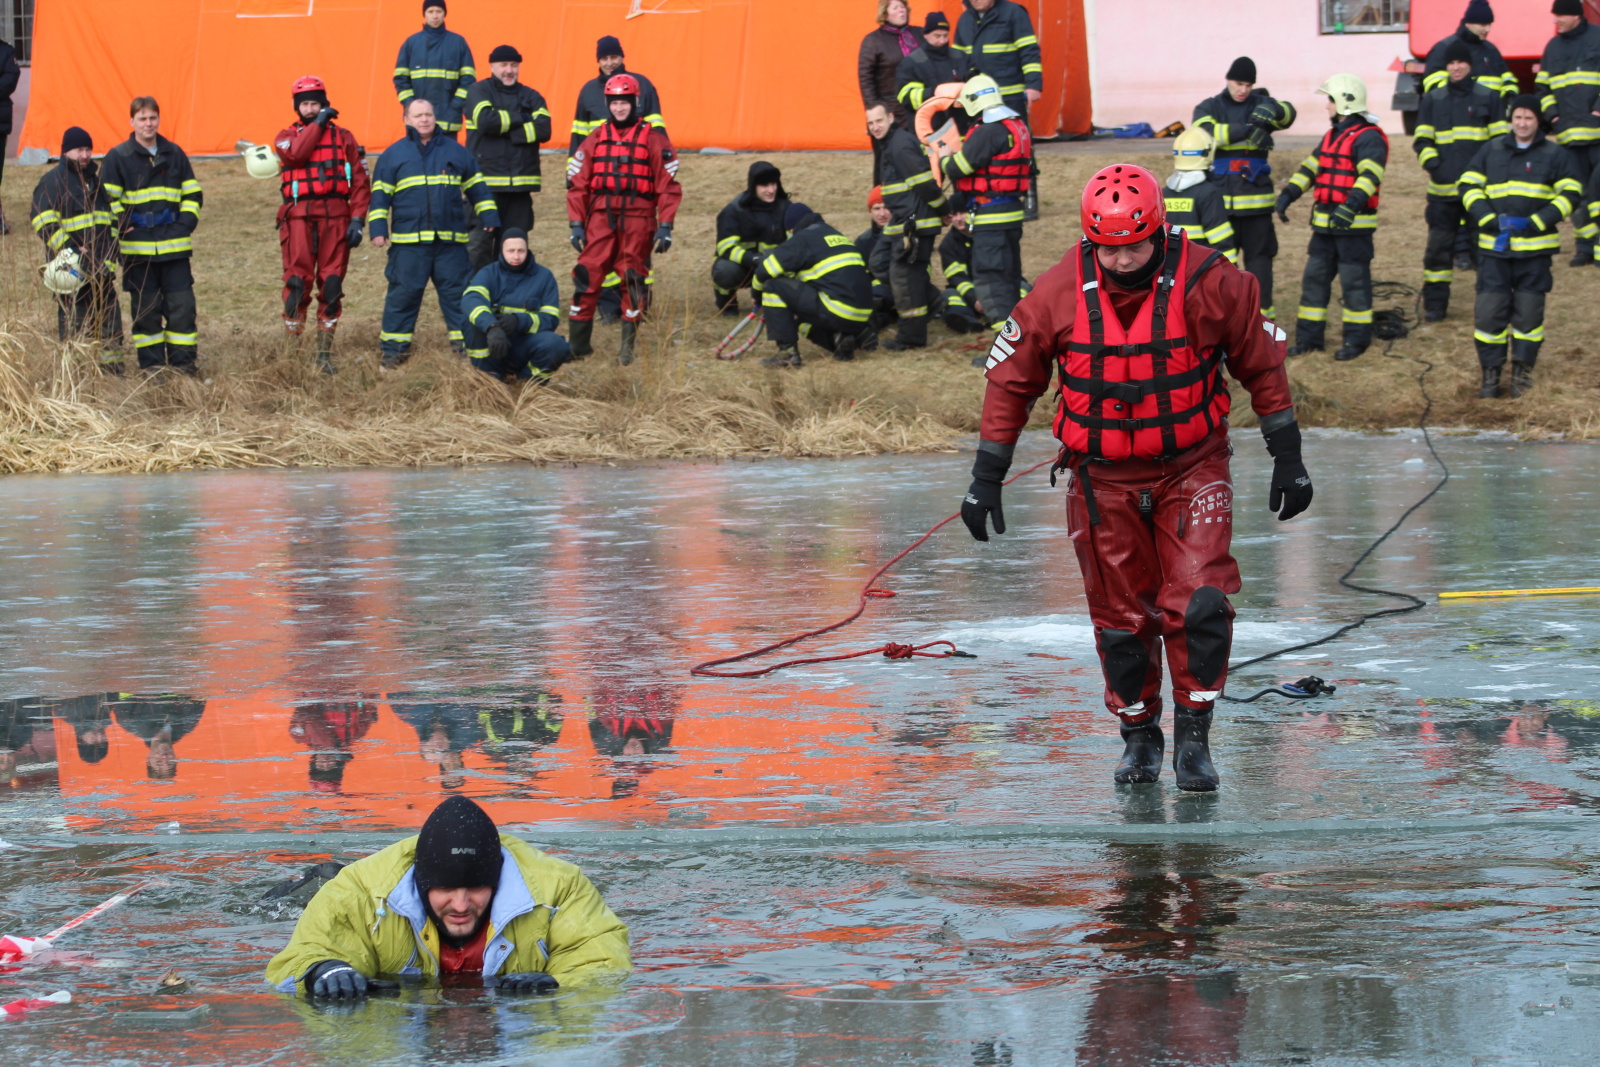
(881, 53)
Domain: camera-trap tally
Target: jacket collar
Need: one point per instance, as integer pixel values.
(161, 144)
(1538, 138)
(511, 896)
(1577, 31)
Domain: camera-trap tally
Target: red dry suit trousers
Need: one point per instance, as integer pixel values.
(618, 243)
(315, 249)
(1153, 541)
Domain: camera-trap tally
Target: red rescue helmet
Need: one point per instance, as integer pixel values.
(622, 85)
(1122, 205)
(308, 84)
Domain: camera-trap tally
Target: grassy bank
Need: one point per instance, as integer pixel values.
(260, 403)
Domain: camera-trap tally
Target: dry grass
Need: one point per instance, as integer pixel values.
(261, 403)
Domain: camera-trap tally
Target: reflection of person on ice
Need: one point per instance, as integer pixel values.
(1140, 322)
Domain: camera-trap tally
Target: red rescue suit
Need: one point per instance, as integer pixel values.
(1142, 422)
(621, 185)
(325, 184)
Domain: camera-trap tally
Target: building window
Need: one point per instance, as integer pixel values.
(16, 27)
(1365, 16)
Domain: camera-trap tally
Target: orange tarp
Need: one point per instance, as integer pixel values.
(743, 74)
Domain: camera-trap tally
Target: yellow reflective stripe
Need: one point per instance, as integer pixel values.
(45, 218)
(960, 159)
(479, 310)
(480, 290)
(1456, 134)
(1423, 131)
(1490, 338)
(995, 218)
(1536, 334)
(1436, 79)
(1311, 314)
(891, 188)
(1449, 191)
(405, 94)
(843, 310)
(1360, 318)
(831, 264)
(1435, 276)
(1248, 202)
(656, 120)
(377, 213)
(770, 265)
(1032, 68)
(1323, 219)
(145, 340)
(1372, 167)
(157, 248)
(1528, 189)
(181, 338)
(1366, 185)
(911, 94)
(1011, 90)
(1219, 234)
(114, 190)
(191, 187)
(431, 72)
(190, 207)
(548, 309)
(153, 193)
(421, 236)
(429, 179)
(1574, 77)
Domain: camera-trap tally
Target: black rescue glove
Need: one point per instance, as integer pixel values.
(526, 982)
(499, 343)
(326, 115)
(352, 236)
(1266, 115)
(1291, 484)
(1281, 208)
(509, 322)
(335, 980)
(577, 236)
(982, 502)
(1343, 217)
(663, 238)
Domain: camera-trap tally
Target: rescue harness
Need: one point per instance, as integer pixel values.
(622, 162)
(325, 176)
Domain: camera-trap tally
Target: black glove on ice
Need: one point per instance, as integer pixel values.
(336, 980)
(982, 502)
(526, 982)
(1291, 484)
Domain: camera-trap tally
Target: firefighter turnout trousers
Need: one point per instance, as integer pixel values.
(1585, 160)
(616, 244)
(409, 270)
(1257, 241)
(997, 270)
(1510, 307)
(532, 355)
(1154, 548)
(93, 310)
(515, 208)
(1449, 225)
(161, 295)
(793, 307)
(315, 250)
(912, 288)
(1347, 256)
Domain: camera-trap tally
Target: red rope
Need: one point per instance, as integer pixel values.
(889, 649)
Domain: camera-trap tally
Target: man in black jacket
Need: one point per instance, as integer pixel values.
(1569, 81)
(506, 124)
(748, 229)
(997, 38)
(71, 210)
(915, 203)
(814, 282)
(1488, 68)
(10, 75)
(932, 65)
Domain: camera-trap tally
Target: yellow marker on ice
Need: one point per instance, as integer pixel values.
(1471, 594)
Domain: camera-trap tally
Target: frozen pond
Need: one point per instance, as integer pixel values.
(215, 680)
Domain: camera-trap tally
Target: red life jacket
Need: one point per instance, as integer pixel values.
(325, 176)
(1145, 392)
(1336, 165)
(1008, 173)
(622, 162)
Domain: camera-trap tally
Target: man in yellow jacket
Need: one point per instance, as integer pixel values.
(460, 897)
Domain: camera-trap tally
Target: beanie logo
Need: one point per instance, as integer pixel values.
(463, 852)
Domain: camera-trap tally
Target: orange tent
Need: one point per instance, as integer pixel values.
(742, 74)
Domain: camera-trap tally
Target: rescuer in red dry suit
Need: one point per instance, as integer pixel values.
(326, 191)
(1140, 322)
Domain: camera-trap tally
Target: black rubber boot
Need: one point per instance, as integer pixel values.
(325, 352)
(1490, 386)
(625, 353)
(291, 303)
(579, 336)
(787, 356)
(1300, 348)
(727, 304)
(1521, 378)
(1584, 256)
(844, 349)
(1191, 750)
(1145, 744)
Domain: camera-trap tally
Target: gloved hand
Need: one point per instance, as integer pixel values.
(1281, 208)
(352, 236)
(577, 236)
(336, 980)
(326, 115)
(663, 238)
(526, 982)
(982, 502)
(1508, 224)
(1342, 217)
(1266, 114)
(1291, 484)
(1433, 163)
(499, 343)
(509, 322)
(1258, 135)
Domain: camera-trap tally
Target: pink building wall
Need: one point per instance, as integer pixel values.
(1153, 60)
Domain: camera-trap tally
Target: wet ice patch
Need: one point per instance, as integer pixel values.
(1047, 631)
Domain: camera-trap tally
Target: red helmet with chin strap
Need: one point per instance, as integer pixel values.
(1122, 205)
(309, 84)
(622, 85)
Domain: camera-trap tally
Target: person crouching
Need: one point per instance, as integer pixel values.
(512, 312)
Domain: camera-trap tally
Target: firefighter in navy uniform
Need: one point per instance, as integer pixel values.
(436, 65)
(1569, 79)
(1139, 322)
(748, 228)
(915, 202)
(71, 210)
(1488, 66)
(1193, 204)
(814, 283)
(997, 39)
(934, 64)
(991, 176)
(326, 191)
(958, 303)
(506, 123)
(1242, 119)
(1344, 174)
(1455, 120)
(1517, 189)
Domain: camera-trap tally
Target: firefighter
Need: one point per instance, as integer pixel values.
(155, 201)
(1344, 174)
(506, 124)
(958, 304)
(814, 283)
(1456, 119)
(72, 212)
(622, 194)
(436, 65)
(1567, 77)
(513, 309)
(1242, 119)
(419, 191)
(915, 202)
(326, 191)
(1144, 432)
(877, 253)
(1194, 204)
(1517, 188)
(930, 66)
(1488, 67)
(997, 39)
(749, 227)
(991, 176)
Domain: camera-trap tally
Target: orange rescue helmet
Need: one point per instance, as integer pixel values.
(622, 85)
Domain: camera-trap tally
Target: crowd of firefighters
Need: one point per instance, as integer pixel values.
(1503, 169)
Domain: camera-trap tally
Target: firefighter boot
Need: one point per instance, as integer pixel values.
(1141, 758)
(1521, 378)
(1489, 388)
(625, 353)
(325, 352)
(294, 290)
(787, 356)
(727, 303)
(1584, 255)
(579, 336)
(1191, 750)
(844, 349)
(1030, 200)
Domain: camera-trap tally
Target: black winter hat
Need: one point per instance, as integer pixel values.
(797, 214)
(607, 46)
(936, 20)
(513, 231)
(1479, 13)
(459, 848)
(1567, 7)
(762, 172)
(434, 3)
(1243, 70)
(1525, 100)
(1457, 51)
(76, 137)
(505, 54)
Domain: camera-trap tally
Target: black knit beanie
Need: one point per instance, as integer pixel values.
(936, 20)
(1524, 100)
(607, 46)
(1567, 7)
(505, 54)
(1479, 13)
(434, 3)
(459, 848)
(76, 137)
(1457, 51)
(1243, 70)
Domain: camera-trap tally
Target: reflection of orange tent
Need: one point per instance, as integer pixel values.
(733, 73)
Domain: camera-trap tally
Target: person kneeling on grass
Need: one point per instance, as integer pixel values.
(458, 898)
(512, 313)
